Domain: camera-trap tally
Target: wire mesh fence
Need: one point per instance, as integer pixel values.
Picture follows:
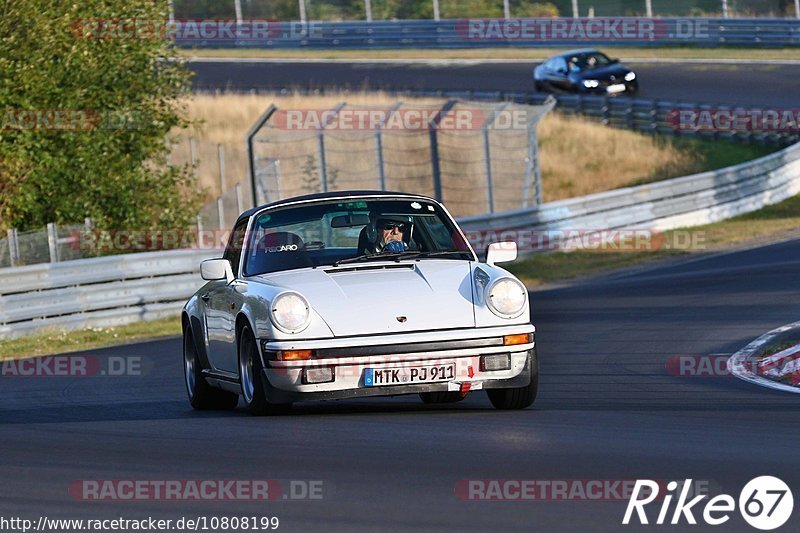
(477, 157)
(337, 10)
(47, 245)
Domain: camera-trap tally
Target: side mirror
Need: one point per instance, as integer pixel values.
(501, 252)
(216, 269)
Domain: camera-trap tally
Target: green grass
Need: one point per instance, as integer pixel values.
(525, 54)
(708, 155)
(87, 339)
(765, 225)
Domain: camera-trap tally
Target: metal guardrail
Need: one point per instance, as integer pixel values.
(100, 292)
(641, 114)
(540, 33)
(682, 202)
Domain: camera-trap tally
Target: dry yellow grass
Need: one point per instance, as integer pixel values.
(578, 156)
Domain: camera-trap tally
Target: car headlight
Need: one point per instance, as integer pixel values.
(290, 312)
(506, 297)
(591, 84)
(630, 76)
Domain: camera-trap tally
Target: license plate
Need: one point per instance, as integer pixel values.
(616, 88)
(377, 377)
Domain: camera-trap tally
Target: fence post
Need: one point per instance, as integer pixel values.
(533, 150)
(323, 164)
(575, 10)
(649, 8)
(379, 159)
(220, 213)
(368, 9)
(239, 198)
(237, 7)
(487, 154)
(436, 10)
(379, 146)
(52, 241)
(653, 116)
(506, 9)
(223, 182)
(251, 151)
(13, 246)
(302, 10)
(433, 132)
(533, 170)
(198, 220)
(193, 155)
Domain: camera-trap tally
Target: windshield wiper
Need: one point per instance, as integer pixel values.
(360, 259)
(443, 253)
(398, 256)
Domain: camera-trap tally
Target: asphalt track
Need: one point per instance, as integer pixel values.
(607, 410)
(747, 84)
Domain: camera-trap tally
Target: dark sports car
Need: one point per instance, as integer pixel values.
(585, 71)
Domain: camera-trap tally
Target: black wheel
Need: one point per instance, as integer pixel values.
(202, 396)
(441, 397)
(519, 397)
(251, 378)
(538, 87)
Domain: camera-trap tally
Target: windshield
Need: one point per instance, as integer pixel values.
(590, 61)
(329, 233)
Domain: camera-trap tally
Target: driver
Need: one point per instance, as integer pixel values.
(391, 233)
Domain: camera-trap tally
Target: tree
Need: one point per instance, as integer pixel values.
(86, 108)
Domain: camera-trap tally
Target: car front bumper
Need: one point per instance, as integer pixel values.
(350, 359)
(611, 88)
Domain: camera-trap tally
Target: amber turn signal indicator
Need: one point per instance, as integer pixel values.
(295, 355)
(522, 338)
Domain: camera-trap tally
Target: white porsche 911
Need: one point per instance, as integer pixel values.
(353, 294)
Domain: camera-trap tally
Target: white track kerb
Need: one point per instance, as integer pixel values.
(742, 363)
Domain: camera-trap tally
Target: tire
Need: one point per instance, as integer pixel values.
(441, 397)
(519, 397)
(538, 87)
(251, 378)
(202, 396)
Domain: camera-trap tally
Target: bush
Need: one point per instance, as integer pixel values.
(85, 118)
(536, 10)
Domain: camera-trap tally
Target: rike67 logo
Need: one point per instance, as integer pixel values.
(765, 503)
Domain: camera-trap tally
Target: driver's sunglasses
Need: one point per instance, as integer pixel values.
(391, 226)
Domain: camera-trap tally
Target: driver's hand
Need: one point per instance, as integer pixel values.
(394, 247)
